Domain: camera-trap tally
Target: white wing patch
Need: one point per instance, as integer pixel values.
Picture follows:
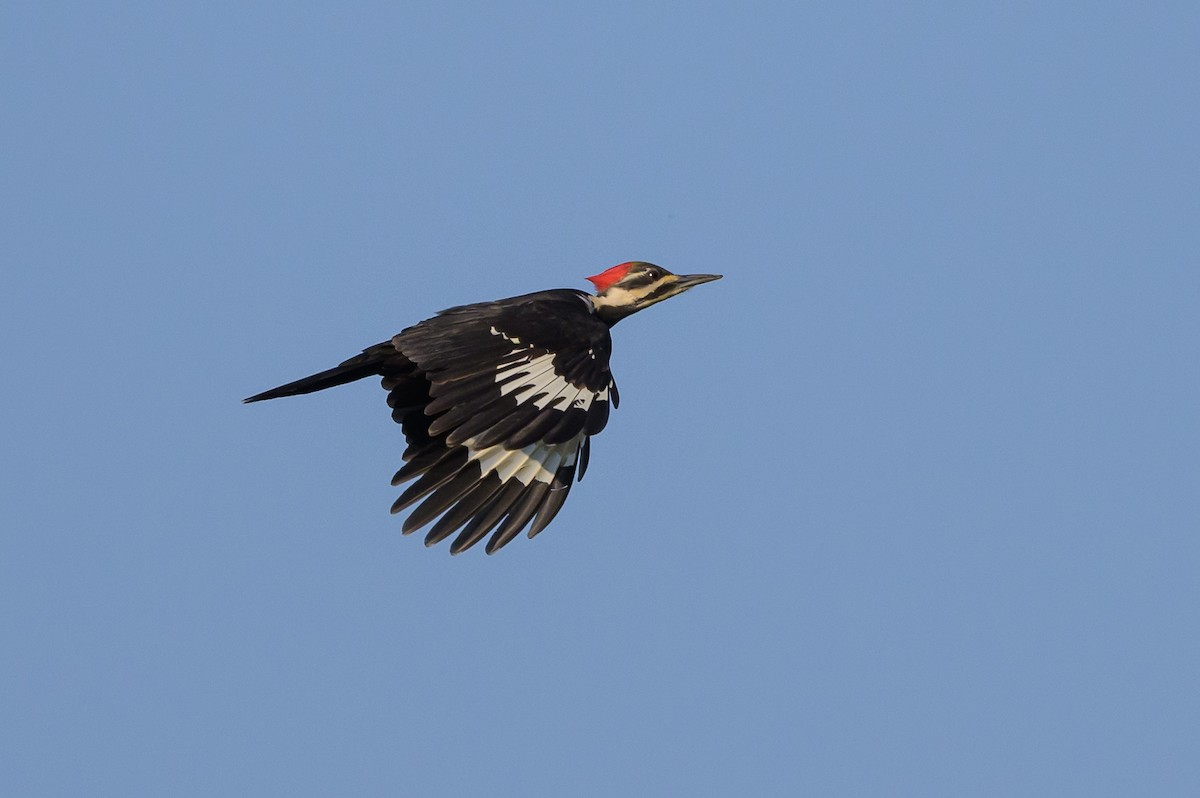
(537, 461)
(540, 380)
(505, 336)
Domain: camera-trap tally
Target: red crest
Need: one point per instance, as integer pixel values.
(605, 279)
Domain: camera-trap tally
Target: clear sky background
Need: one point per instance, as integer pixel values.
(907, 504)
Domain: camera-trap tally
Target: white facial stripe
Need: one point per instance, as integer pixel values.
(614, 296)
(637, 296)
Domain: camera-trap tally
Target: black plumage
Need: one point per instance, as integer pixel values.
(497, 402)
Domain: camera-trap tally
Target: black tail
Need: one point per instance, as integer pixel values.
(373, 361)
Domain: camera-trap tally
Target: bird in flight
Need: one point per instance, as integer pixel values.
(498, 400)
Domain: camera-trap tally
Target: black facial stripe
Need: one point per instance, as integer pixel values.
(639, 281)
(661, 292)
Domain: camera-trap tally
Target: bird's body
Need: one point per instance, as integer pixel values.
(497, 401)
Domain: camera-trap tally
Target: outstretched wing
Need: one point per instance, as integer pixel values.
(498, 413)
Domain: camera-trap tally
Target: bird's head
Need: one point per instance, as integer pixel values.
(628, 287)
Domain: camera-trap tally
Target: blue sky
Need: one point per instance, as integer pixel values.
(907, 504)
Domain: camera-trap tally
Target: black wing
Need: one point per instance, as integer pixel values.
(497, 408)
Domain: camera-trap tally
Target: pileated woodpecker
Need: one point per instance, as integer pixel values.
(497, 401)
